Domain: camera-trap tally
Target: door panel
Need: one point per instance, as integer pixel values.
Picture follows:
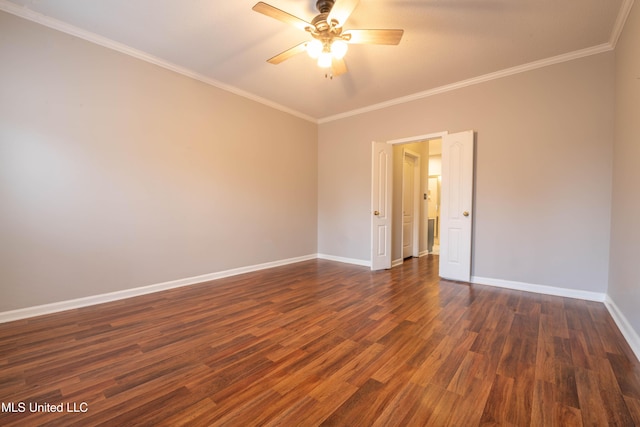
(381, 186)
(457, 201)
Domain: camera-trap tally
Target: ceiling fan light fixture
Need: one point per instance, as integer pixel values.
(314, 48)
(329, 44)
(325, 59)
(339, 49)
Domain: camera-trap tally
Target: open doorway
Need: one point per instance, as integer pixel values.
(410, 202)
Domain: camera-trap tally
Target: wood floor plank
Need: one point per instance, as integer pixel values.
(496, 410)
(445, 409)
(470, 407)
(402, 406)
(590, 399)
(618, 413)
(634, 409)
(324, 343)
(542, 403)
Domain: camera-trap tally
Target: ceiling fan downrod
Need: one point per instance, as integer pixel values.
(324, 6)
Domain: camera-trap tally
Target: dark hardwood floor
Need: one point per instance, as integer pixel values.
(323, 343)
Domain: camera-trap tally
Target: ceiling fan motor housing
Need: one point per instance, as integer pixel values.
(320, 23)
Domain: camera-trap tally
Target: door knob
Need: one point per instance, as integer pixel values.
(376, 213)
(465, 213)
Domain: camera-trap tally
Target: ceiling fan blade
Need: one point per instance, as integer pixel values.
(281, 15)
(288, 53)
(338, 66)
(373, 36)
(341, 10)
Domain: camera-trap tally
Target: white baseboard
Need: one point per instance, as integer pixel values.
(625, 327)
(540, 289)
(423, 253)
(396, 262)
(55, 307)
(354, 261)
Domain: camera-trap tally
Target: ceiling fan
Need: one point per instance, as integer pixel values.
(329, 38)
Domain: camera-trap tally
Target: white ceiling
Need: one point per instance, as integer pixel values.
(445, 42)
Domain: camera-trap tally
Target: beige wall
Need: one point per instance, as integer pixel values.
(543, 168)
(624, 278)
(115, 173)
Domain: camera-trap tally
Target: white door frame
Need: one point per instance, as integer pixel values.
(389, 171)
(416, 202)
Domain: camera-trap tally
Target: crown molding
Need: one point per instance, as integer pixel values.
(26, 13)
(625, 8)
(605, 47)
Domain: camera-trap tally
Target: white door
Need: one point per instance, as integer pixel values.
(410, 205)
(381, 185)
(455, 210)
